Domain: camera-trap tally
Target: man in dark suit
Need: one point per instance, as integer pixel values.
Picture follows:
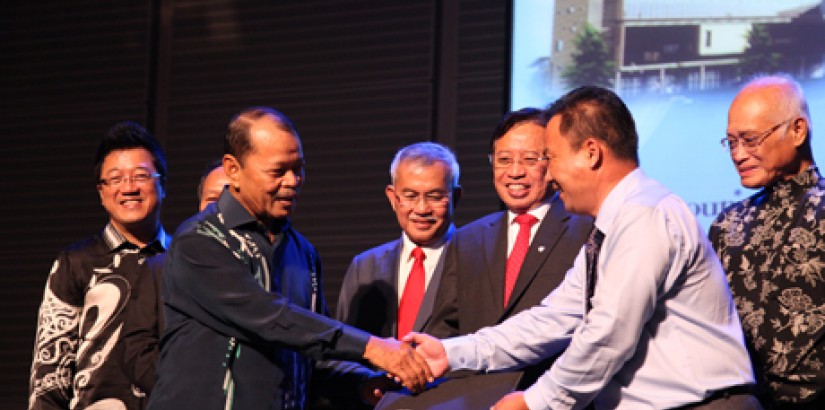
(383, 291)
(508, 261)
(423, 194)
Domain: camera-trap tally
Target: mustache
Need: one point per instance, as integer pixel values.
(425, 219)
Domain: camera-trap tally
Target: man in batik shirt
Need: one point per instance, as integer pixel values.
(772, 244)
(93, 284)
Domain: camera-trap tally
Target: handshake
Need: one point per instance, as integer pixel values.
(412, 362)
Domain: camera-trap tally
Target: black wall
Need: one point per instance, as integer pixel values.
(359, 79)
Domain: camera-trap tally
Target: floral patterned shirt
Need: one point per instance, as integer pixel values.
(772, 246)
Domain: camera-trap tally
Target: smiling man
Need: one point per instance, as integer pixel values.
(644, 317)
(92, 285)
(389, 290)
(772, 244)
(423, 195)
(506, 262)
(242, 290)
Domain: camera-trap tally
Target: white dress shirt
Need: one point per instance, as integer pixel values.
(662, 332)
(512, 227)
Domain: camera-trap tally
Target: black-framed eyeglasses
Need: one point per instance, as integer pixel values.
(506, 160)
(750, 142)
(433, 198)
(138, 178)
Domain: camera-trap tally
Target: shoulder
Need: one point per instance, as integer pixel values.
(483, 223)
(377, 252)
(194, 222)
(91, 246)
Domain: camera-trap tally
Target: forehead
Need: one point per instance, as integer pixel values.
(125, 159)
(271, 143)
(752, 108)
(526, 136)
(553, 135)
(414, 175)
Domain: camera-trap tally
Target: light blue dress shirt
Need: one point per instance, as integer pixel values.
(663, 330)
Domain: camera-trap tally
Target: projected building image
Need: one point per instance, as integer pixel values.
(677, 64)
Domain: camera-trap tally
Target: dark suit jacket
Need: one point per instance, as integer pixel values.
(369, 301)
(369, 293)
(471, 292)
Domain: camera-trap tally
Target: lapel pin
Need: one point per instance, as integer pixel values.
(541, 249)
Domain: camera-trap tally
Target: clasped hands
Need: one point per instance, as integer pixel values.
(417, 360)
(412, 362)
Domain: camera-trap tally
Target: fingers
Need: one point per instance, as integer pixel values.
(400, 360)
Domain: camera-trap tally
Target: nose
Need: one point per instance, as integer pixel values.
(738, 154)
(129, 184)
(292, 179)
(516, 169)
(421, 205)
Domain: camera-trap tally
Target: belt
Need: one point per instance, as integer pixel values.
(720, 394)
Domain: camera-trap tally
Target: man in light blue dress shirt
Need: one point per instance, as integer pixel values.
(650, 324)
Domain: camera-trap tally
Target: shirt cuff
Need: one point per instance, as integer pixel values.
(461, 353)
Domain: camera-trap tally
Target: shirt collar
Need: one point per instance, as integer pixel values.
(116, 241)
(609, 208)
(407, 245)
(800, 183)
(235, 215)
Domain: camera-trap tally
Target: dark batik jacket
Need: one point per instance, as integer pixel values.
(78, 354)
(772, 246)
(238, 310)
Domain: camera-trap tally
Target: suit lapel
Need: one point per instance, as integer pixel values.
(494, 243)
(550, 230)
(426, 308)
(392, 260)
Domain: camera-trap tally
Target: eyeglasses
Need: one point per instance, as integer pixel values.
(434, 198)
(750, 142)
(507, 160)
(138, 178)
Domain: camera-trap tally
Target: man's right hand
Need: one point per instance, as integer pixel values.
(399, 360)
(431, 350)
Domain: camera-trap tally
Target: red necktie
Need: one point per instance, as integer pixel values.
(413, 293)
(516, 258)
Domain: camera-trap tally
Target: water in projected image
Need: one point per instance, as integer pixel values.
(678, 88)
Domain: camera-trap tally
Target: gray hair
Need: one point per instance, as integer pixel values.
(793, 98)
(425, 154)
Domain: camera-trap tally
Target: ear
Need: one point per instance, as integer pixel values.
(593, 152)
(457, 192)
(799, 131)
(232, 167)
(390, 192)
(100, 192)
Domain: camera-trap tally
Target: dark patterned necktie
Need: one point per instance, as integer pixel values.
(591, 249)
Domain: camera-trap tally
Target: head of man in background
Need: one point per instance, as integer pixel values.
(212, 183)
(424, 191)
(130, 171)
(768, 132)
(519, 164)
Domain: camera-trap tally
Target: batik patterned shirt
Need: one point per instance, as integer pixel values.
(772, 246)
(77, 353)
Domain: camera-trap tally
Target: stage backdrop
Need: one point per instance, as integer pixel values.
(677, 65)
